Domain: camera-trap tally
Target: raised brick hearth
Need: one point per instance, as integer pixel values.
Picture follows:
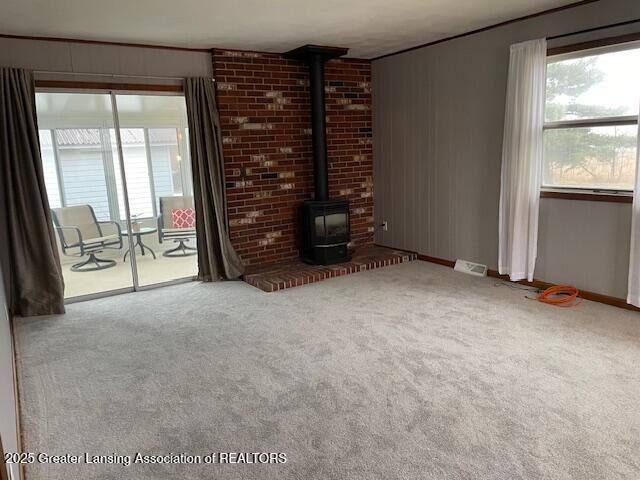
(292, 273)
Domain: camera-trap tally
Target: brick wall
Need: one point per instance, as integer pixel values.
(263, 101)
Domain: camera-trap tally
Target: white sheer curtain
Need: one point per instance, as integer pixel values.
(522, 159)
(633, 289)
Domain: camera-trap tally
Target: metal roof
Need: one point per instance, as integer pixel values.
(90, 137)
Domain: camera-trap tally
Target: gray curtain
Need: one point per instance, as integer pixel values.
(29, 252)
(216, 257)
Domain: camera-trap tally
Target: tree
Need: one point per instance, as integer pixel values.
(573, 150)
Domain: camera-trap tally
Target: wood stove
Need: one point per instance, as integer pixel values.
(325, 222)
(325, 231)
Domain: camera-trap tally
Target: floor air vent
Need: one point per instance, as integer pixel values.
(471, 268)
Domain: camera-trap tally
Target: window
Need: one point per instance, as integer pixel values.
(81, 167)
(50, 169)
(591, 119)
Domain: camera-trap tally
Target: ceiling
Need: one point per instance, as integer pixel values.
(369, 28)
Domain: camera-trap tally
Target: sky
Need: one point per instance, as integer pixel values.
(621, 85)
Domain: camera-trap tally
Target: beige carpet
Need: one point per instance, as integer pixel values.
(406, 372)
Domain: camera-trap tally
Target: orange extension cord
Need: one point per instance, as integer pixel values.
(560, 296)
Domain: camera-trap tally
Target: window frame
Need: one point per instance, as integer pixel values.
(585, 49)
(46, 86)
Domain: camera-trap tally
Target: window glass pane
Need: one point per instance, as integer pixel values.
(151, 111)
(49, 169)
(158, 177)
(81, 160)
(595, 86)
(171, 173)
(136, 171)
(596, 157)
(73, 110)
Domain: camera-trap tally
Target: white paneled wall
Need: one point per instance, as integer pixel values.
(437, 131)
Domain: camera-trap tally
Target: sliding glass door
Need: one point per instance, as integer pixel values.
(118, 178)
(158, 175)
(80, 161)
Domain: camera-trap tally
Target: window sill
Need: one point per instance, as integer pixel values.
(588, 196)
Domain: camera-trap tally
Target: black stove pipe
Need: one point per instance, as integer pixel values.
(318, 127)
(315, 57)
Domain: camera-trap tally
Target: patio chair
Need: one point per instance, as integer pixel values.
(82, 234)
(176, 222)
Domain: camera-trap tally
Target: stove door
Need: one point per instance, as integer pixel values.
(336, 224)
